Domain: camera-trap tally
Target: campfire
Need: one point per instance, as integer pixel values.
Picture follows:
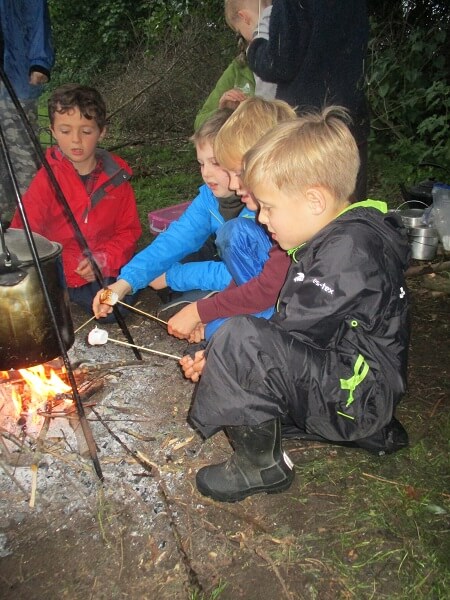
(35, 393)
(37, 402)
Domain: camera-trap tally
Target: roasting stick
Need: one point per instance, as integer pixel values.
(108, 296)
(143, 348)
(138, 310)
(84, 324)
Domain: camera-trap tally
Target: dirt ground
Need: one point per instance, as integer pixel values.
(352, 526)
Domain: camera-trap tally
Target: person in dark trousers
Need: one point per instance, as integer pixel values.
(331, 363)
(27, 56)
(315, 53)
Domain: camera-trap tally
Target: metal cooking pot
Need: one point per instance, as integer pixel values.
(424, 242)
(27, 335)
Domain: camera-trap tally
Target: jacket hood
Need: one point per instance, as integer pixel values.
(388, 225)
(111, 162)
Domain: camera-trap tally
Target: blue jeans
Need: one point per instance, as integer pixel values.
(243, 246)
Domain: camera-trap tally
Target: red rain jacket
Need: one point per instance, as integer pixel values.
(108, 217)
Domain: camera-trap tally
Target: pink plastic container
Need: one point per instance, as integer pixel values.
(159, 220)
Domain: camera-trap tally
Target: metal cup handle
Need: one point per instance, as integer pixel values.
(411, 201)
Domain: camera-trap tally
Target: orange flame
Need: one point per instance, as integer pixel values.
(43, 386)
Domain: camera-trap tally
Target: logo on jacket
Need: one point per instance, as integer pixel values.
(323, 286)
(299, 277)
(402, 293)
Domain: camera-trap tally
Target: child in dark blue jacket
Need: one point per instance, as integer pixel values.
(315, 53)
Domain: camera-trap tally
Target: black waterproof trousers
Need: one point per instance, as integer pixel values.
(256, 371)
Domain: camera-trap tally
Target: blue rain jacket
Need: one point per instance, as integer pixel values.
(27, 44)
(183, 237)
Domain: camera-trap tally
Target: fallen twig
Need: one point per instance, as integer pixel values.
(288, 594)
(37, 458)
(153, 469)
(407, 485)
(13, 479)
(415, 270)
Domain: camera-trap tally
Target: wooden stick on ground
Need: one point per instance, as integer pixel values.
(416, 270)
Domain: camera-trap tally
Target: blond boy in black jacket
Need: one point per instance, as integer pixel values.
(331, 362)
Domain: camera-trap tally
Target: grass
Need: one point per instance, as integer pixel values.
(385, 536)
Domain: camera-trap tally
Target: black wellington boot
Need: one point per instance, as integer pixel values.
(257, 465)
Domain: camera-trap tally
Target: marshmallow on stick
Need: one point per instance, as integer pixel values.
(109, 297)
(99, 337)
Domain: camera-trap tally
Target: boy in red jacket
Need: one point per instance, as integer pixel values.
(96, 186)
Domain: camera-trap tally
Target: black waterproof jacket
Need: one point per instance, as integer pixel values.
(345, 294)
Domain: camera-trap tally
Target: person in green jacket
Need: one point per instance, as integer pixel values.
(234, 85)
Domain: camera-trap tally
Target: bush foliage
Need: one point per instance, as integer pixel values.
(409, 96)
(157, 61)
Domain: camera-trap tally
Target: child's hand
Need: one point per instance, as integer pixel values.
(232, 98)
(184, 322)
(85, 270)
(193, 367)
(120, 287)
(198, 334)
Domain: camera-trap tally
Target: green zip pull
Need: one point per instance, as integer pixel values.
(360, 371)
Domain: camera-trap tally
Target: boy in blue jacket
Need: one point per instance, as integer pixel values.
(331, 362)
(159, 264)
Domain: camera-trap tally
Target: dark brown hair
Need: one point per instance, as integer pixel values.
(73, 95)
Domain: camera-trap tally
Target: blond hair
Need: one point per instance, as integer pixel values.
(232, 8)
(316, 149)
(248, 123)
(209, 129)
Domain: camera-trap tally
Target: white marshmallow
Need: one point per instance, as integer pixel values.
(97, 337)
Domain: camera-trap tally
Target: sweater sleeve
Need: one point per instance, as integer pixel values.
(184, 236)
(258, 294)
(204, 275)
(234, 75)
(278, 58)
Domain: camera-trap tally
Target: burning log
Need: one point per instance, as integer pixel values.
(32, 399)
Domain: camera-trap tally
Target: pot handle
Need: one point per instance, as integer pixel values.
(12, 278)
(408, 202)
